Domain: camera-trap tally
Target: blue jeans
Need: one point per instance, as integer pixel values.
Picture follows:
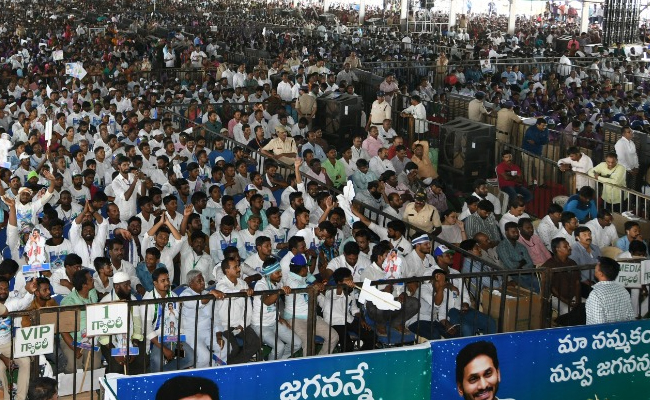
(513, 191)
(471, 321)
(427, 329)
(185, 362)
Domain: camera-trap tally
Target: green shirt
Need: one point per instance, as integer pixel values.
(75, 299)
(336, 172)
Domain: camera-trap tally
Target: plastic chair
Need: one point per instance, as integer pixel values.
(611, 252)
(179, 289)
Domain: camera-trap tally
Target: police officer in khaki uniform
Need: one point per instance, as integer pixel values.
(380, 111)
(306, 105)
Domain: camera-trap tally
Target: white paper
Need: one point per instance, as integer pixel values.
(48, 130)
(57, 55)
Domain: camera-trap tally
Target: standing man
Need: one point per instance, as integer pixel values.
(627, 156)
(506, 118)
(417, 111)
(476, 110)
(380, 111)
(125, 187)
(389, 87)
(534, 140)
(608, 301)
(577, 162)
(306, 106)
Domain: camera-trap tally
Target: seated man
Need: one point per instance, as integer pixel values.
(201, 328)
(565, 285)
(234, 316)
(14, 301)
(161, 326)
(345, 318)
(632, 233)
(134, 364)
(274, 330)
(396, 319)
(455, 313)
(296, 307)
(511, 180)
(77, 344)
(583, 204)
(513, 255)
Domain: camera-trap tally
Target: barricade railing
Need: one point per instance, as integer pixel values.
(484, 309)
(619, 198)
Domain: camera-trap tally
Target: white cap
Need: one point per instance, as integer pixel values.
(120, 277)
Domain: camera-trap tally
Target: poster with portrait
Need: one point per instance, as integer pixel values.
(359, 375)
(589, 362)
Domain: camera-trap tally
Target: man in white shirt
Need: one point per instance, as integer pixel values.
(161, 327)
(577, 162)
(550, 226)
(233, 312)
(125, 187)
(275, 331)
(417, 111)
(88, 240)
(627, 155)
(380, 163)
(603, 232)
(13, 301)
(514, 214)
(201, 326)
(194, 258)
(349, 259)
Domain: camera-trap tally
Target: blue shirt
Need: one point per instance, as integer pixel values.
(539, 138)
(584, 212)
(225, 153)
(144, 275)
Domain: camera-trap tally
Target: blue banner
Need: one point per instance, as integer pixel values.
(403, 374)
(591, 362)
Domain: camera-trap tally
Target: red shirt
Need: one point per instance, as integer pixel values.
(504, 168)
(392, 152)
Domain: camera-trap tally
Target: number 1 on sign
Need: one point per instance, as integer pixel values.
(106, 312)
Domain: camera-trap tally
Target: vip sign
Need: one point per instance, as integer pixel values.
(34, 340)
(106, 319)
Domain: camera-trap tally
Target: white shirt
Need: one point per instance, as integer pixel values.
(88, 253)
(420, 115)
(602, 237)
(340, 262)
(334, 307)
(235, 307)
(627, 156)
(190, 261)
(584, 164)
(120, 187)
(166, 255)
(546, 230)
(379, 166)
(507, 217)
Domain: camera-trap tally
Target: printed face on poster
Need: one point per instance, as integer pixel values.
(586, 362)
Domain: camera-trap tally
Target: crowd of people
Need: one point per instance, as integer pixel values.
(125, 199)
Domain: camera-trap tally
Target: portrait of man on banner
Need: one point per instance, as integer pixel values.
(35, 248)
(477, 371)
